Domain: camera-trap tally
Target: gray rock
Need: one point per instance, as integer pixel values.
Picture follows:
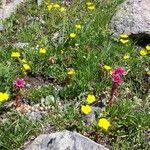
(8, 9)
(65, 140)
(132, 17)
(34, 115)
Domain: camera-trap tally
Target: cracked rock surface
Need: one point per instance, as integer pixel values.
(65, 140)
(131, 17)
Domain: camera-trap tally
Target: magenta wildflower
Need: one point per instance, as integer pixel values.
(19, 83)
(120, 71)
(117, 79)
(117, 75)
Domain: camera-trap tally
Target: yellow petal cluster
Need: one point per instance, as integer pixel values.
(42, 51)
(15, 54)
(104, 123)
(90, 99)
(4, 97)
(86, 109)
(72, 35)
(71, 72)
(106, 67)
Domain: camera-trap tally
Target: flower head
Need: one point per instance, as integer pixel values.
(126, 56)
(26, 67)
(120, 71)
(56, 6)
(124, 41)
(86, 109)
(143, 52)
(107, 67)
(88, 3)
(4, 97)
(71, 72)
(116, 78)
(19, 83)
(91, 7)
(90, 99)
(72, 35)
(42, 50)
(78, 26)
(49, 7)
(23, 61)
(148, 47)
(62, 9)
(124, 36)
(104, 123)
(117, 75)
(15, 54)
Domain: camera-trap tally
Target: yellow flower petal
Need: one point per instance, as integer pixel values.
(56, 6)
(126, 56)
(143, 52)
(92, 7)
(86, 109)
(90, 99)
(15, 54)
(62, 9)
(42, 50)
(148, 47)
(78, 26)
(104, 123)
(124, 36)
(49, 7)
(148, 72)
(26, 67)
(123, 41)
(71, 72)
(107, 67)
(4, 97)
(88, 3)
(72, 35)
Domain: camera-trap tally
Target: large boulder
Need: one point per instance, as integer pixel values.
(65, 140)
(132, 17)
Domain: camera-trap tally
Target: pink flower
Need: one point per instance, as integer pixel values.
(19, 83)
(117, 79)
(120, 71)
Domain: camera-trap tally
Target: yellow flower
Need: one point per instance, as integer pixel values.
(126, 56)
(71, 72)
(86, 109)
(15, 54)
(148, 72)
(148, 47)
(124, 36)
(143, 52)
(4, 97)
(62, 9)
(107, 67)
(124, 41)
(92, 7)
(49, 7)
(78, 26)
(90, 99)
(56, 6)
(23, 61)
(72, 35)
(110, 72)
(88, 3)
(104, 123)
(42, 50)
(26, 67)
